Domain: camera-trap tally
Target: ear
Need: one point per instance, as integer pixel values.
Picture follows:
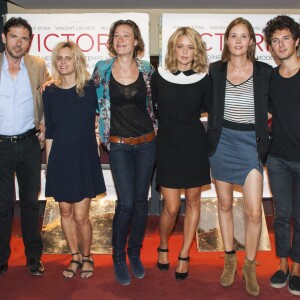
(3, 38)
(135, 42)
(297, 43)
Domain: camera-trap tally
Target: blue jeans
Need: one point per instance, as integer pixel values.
(284, 179)
(23, 158)
(132, 167)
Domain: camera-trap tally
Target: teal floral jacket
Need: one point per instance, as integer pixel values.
(101, 77)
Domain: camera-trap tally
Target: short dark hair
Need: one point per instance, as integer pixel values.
(281, 22)
(17, 22)
(139, 48)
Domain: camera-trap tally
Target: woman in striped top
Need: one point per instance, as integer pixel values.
(237, 121)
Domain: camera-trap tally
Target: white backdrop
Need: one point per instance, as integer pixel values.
(212, 28)
(89, 31)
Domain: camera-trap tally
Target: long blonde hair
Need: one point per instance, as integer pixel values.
(81, 74)
(199, 63)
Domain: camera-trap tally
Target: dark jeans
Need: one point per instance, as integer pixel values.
(24, 159)
(132, 167)
(284, 179)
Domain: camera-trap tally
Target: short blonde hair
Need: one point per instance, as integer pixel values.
(226, 55)
(199, 63)
(82, 75)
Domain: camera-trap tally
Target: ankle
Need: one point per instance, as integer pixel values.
(295, 270)
(283, 264)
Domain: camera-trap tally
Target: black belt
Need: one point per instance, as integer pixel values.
(18, 137)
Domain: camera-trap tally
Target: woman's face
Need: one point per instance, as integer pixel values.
(65, 61)
(124, 41)
(239, 40)
(184, 53)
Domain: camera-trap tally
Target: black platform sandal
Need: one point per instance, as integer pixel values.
(182, 276)
(79, 265)
(87, 261)
(163, 267)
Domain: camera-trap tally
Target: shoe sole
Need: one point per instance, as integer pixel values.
(139, 276)
(36, 274)
(123, 283)
(278, 285)
(296, 293)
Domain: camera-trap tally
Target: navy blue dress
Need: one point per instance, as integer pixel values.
(74, 171)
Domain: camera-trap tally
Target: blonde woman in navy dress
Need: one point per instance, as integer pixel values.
(182, 91)
(74, 173)
(236, 122)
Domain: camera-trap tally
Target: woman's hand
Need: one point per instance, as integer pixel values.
(47, 83)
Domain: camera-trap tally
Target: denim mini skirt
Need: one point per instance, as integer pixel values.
(235, 156)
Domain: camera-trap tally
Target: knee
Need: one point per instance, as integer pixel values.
(81, 220)
(66, 213)
(171, 212)
(225, 207)
(126, 210)
(254, 216)
(192, 202)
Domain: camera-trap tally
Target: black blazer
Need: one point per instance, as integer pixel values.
(261, 78)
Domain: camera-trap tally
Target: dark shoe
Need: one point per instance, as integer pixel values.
(121, 273)
(294, 285)
(279, 279)
(163, 267)
(137, 267)
(3, 268)
(84, 274)
(35, 266)
(72, 271)
(182, 276)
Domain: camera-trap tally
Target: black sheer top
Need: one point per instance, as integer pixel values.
(129, 115)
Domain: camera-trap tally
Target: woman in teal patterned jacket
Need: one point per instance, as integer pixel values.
(127, 129)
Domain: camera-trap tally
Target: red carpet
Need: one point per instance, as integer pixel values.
(202, 283)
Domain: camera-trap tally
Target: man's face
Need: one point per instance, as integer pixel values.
(16, 42)
(283, 44)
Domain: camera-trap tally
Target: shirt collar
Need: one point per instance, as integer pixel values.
(5, 62)
(186, 73)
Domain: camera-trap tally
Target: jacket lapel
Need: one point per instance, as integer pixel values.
(31, 73)
(257, 86)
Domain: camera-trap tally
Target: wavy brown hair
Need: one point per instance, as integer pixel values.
(81, 73)
(199, 63)
(138, 49)
(226, 55)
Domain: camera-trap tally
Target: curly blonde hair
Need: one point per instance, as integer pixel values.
(199, 63)
(81, 74)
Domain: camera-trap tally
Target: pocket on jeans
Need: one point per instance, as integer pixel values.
(114, 146)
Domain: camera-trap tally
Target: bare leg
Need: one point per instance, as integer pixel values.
(81, 216)
(191, 220)
(71, 233)
(225, 200)
(295, 269)
(252, 190)
(167, 219)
